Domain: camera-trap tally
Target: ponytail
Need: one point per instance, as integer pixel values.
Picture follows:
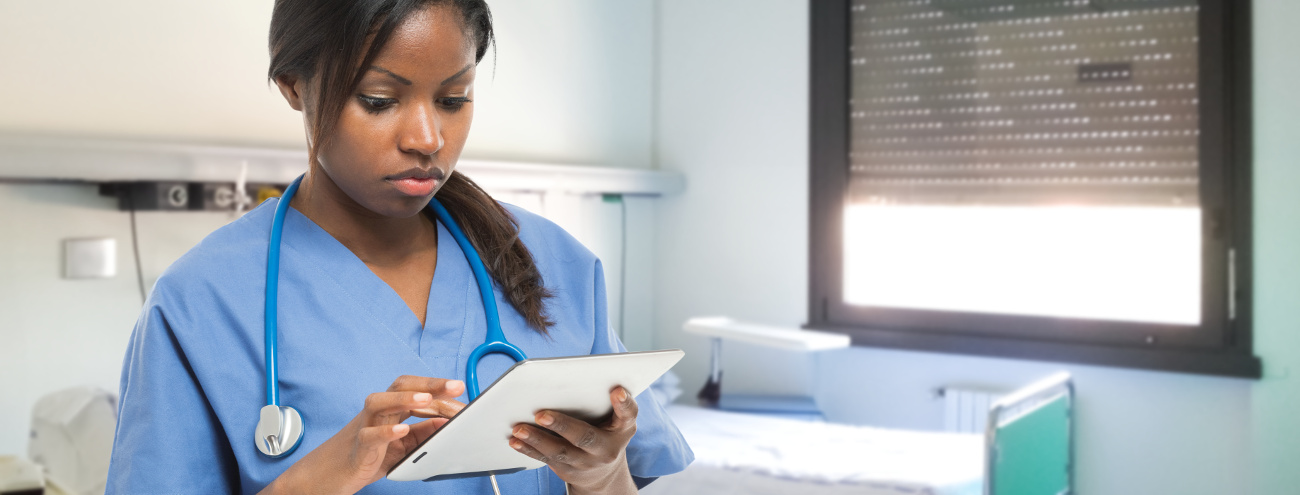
(494, 232)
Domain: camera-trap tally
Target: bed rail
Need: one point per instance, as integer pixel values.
(1029, 440)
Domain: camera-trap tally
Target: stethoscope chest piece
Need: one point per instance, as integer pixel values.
(279, 430)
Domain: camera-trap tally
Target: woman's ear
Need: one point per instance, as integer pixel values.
(293, 88)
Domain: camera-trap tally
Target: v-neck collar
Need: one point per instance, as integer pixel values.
(448, 292)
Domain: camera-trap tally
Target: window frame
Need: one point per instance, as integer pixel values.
(1220, 345)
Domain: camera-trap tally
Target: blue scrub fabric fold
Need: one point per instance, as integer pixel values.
(193, 378)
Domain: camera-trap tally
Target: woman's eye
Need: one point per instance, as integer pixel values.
(374, 104)
(453, 103)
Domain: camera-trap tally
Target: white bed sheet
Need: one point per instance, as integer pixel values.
(754, 454)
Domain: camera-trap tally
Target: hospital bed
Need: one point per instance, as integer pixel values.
(1026, 450)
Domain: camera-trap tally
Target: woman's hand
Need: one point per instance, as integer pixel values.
(364, 450)
(591, 459)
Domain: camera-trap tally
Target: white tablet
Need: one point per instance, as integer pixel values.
(475, 442)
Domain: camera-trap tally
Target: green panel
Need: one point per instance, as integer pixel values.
(1033, 452)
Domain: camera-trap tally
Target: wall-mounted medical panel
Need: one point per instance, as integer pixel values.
(88, 160)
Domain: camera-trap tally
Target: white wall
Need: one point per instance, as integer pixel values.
(1276, 399)
(731, 114)
(572, 85)
(572, 81)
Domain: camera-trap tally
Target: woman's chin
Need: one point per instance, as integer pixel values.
(405, 207)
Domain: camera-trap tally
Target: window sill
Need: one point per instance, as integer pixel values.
(1230, 363)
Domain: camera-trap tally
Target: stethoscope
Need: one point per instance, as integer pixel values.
(280, 428)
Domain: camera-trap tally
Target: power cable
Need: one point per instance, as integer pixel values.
(135, 242)
(622, 269)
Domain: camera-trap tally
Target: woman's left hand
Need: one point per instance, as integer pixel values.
(591, 459)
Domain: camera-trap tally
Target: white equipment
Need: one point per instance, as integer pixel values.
(72, 438)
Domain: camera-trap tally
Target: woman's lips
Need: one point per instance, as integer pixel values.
(413, 186)
(419, 182)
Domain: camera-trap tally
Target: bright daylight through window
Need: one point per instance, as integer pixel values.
(1025, 158)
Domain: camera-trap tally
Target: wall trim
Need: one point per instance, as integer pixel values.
(53, 158)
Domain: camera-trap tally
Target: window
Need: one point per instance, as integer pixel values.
(1046, 179)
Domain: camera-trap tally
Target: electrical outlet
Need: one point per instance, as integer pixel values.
(181, 196)
(223, 197)
(146, 196)
(213, 196)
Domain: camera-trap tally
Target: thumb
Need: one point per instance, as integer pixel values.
(372, 444)
(625, 410)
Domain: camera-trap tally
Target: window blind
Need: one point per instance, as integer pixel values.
(1024, 102)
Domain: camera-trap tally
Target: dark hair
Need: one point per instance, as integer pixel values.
(327, 40)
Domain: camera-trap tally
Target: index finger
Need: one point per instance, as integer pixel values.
(439, 387)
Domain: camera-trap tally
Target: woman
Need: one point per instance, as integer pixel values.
(378, 307)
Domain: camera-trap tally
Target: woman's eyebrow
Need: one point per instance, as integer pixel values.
(456, 75)
(399, 79)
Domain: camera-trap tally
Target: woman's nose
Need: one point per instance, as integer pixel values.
(421, 131)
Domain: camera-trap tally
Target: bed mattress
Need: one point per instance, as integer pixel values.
(739, 453)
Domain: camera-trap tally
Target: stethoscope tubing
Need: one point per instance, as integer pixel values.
(273, 295)
(495, 341)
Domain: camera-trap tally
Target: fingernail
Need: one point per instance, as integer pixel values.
(455, 385)
(515, 444)
(399, 428)
(423, 397)
(522, 433)
(545, 419)
(622, 395)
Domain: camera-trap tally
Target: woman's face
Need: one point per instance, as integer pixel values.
(402, 131)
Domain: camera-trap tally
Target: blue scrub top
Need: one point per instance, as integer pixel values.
(193, 377)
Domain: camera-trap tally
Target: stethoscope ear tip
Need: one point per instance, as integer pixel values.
(279, 431)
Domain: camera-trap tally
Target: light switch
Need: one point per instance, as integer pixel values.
(89, 258)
